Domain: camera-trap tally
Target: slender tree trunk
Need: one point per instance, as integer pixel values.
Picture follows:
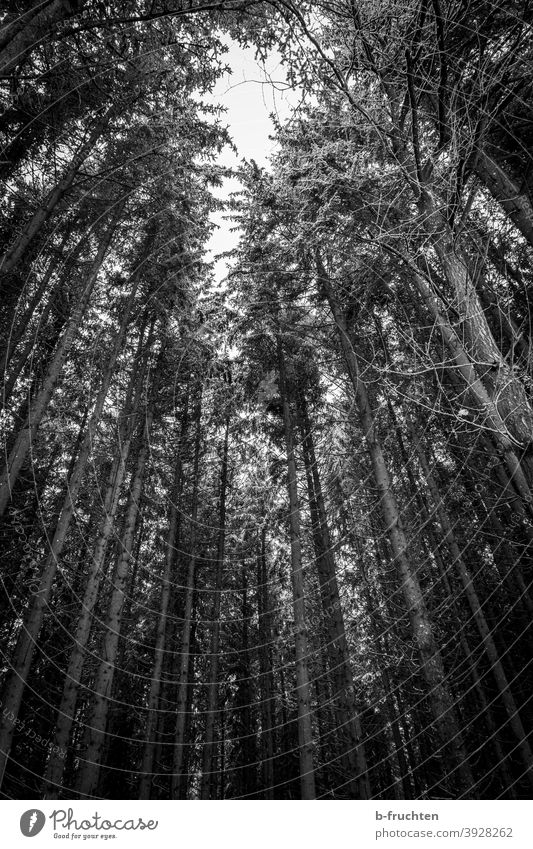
(506, 558)
(378, 631)
(91, 762)
(265, 670)
(184, 657)
(303, 695)
(162, 623)
(246, 782)
(440, 698)
(491, 727)
(56, 762)
(346, 713)
(477, 612)
(209, 748)
(18, 329)
(403, 791)
(33, 620)
(38, 407)
(51, 333)
(12, 256)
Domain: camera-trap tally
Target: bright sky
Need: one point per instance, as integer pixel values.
(250, 94)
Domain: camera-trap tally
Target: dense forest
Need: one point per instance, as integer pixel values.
(268, 537)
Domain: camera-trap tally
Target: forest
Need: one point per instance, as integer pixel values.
(266, 537)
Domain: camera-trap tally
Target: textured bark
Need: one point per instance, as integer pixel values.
(505, 389)
(91, 760)
(503, 189)
(485, 708)
(171, 547)
(348, 724)
(25, 31)
(476, 608)
(440, 698)
(184, 656)
(507, 559)
(303, 695)
(13, 255)
(33, 620)
(56, 763)
(516, 346)
(19, 325)
(51, 330)
(39, 405)
(209, 749)
(477, 391)
(267, 737)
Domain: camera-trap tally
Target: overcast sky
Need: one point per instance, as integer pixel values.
(250, 94)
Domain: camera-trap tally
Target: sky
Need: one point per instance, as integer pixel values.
(250, 94)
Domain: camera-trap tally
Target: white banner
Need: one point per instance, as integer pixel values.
(267, 825)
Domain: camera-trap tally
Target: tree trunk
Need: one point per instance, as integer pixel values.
(91, 762)
(56, 762)
(24, 32)
(492, 419)
(303, 695)
(265, 670)
(209, 749)
(477, 612)
(30, 631)
(503, 189)
(184, 661)
(346, 713)
(12, 256)
(492, 729)
(38, 407)
(162, 625)
(440, 698)
(19, 328)
(505, 389)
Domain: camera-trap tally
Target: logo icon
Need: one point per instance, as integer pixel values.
(32, 822)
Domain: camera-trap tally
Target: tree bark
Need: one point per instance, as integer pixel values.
(505, 389)
(476, 608)
(56, 762)
(91, 762)
(207, 785)
(162, 624)
(303, 694)
(184, 656)
(504, 190)
(346, 712)
(38, 407)
(491, 727)
(492, 420)
(26, 31)
(12, 256)
(33, 620)
(19, 327)
(440, 698)
(265, 670)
